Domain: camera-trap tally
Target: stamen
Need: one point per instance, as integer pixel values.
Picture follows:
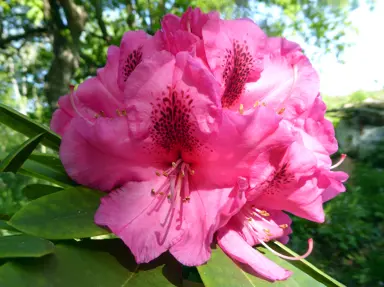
(310, 248)
(256, 104)
(186, 189)
(153, 191)
(241, 109)
(264, 104)
(158, 173)
(173, 164)
(342, 158)
(102, 113)
(262, 212)
(118, 113)
(283, 226)
(124, 112)
(281, 111)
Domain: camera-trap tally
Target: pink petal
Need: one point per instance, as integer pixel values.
(134, 47)
(101, 155)
(240, 141)
(146, 223)
(204, 214)
(108, 75)
(336, 185)
(288, 82)
(232, 244)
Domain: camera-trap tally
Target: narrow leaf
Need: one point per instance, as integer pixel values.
(34, 191)
(24, 246)
(222, 271)
(50, 160)
(45, 167)
(5, 226)
(16, 159)
(26, 126)
(97, 263)
(64, 214)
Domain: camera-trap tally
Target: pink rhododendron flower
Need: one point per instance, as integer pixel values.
(177, 162)
(208, 127)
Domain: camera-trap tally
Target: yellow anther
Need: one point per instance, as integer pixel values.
(266, 230)
(124, 112)
(283, 226)
(165, 173)
(264, 213)
(256, 104)
(264, 104)
(173, 164)
(153, 191)
(192, 172)
(182, 173)
(250, 219)
(168, 196)
(118, 113)
(281, 111)
(241, 109)
(96, 116)
(157, 173)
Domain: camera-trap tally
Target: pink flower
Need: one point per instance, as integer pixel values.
(164, 146)
(191, 129)
(252, 226)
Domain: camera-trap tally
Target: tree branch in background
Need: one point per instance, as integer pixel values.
(28, 33)
(130, 14)
(100, 21)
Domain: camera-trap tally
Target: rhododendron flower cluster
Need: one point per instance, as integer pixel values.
(208, 130)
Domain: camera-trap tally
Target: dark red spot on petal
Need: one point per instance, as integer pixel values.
(238, 63)
(131, 62)
(173, 129)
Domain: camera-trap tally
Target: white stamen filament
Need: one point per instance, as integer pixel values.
(310, 248)
(72, 100)
(342, 158)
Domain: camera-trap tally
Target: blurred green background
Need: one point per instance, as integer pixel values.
(45, 45)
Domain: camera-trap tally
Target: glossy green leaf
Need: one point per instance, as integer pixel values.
(44, 167)
(64, 214)
(50, 160)
(5, 226)
(34, 191)
(98, 263)
(222, 271)
(24, 246)
(26, 126)
(16, 159)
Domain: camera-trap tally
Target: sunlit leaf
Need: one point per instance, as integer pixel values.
(16, 159)
(97, 263)
(64, 214)
(26, 126)
(24, 246)
(222, 271)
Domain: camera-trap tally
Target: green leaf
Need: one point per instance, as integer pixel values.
(16, 159)
(34, 191)
(5, 226)
(38, 170)
(45, 167)
(64, 214)
(97, 263)
(24, 246)
(26, 126)
(222, 271)
(50, 160)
